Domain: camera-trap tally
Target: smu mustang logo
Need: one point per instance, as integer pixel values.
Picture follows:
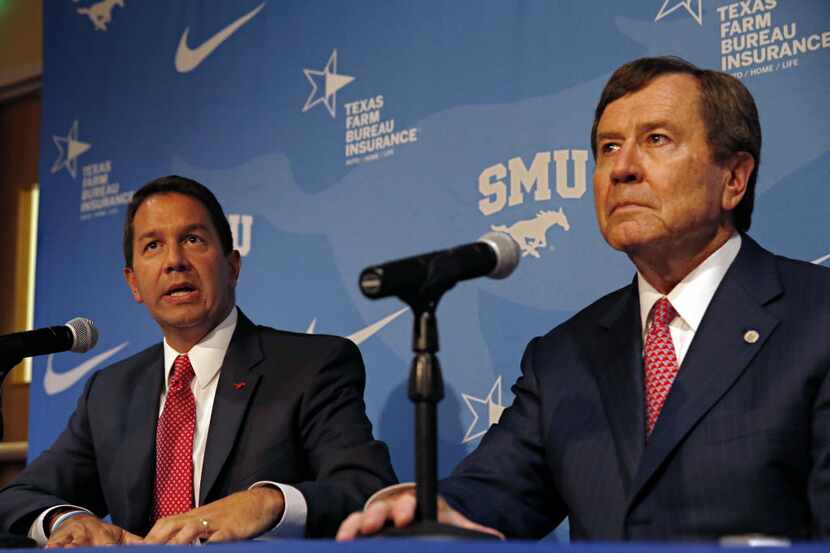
(100, 13)
(531, 234)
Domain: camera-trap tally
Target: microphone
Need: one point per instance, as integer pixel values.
(78, 335)
(428, 275)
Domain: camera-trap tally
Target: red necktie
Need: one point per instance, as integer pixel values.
(660, 361)
(173, 493)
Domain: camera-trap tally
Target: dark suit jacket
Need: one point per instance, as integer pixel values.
(742, 444)
(299, 419)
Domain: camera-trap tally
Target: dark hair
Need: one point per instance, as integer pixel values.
(178, 185)
(728, 110)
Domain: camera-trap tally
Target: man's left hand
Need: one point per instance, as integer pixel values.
(238, 516)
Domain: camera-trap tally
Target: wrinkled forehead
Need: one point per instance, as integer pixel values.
(673, 98)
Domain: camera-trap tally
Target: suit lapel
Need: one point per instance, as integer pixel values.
(718, 354)
(236, 386)
(138, 461)
(617, 363)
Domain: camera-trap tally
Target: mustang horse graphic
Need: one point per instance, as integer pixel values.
(101, 13)
(531, 234)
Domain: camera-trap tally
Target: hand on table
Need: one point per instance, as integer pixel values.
(86, 530)
(399, 509)
(238, 516)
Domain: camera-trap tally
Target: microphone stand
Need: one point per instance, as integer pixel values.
(426, 389)
(8, 540)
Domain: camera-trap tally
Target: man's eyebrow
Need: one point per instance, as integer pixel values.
(145, 235)
(656, 124)
(188, 228)
(641, 128)
(608, 135)
(196, 226)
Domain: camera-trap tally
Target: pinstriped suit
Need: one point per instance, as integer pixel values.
(742, 444)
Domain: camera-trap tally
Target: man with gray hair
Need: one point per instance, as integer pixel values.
(693, 403)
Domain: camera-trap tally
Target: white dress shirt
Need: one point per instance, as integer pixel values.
(207, 357)
(691, 297)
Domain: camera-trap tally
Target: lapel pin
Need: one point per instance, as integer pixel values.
(239, 385)
(751, 336)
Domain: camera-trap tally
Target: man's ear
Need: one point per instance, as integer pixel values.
(235, 264)
(739, 168)
(129, 276)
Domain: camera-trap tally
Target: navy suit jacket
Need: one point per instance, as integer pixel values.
(298, 419)
(742, 444)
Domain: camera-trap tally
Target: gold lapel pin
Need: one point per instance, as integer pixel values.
(751, 336)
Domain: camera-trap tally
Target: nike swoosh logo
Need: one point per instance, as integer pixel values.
(364, 333)
(55, 383)
(821, 259)
(187, 60)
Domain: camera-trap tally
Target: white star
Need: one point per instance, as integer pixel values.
(494, 408)
(332, 82)
(682, 4)
(69, 148)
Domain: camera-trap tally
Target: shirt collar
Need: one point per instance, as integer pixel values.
(692, 295)
(206, 356)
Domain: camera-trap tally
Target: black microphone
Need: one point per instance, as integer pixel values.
(431, 274)
(78, 335)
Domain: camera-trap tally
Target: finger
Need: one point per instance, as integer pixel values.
(219, 535)
(350, 527)
(66, 541)
(451, 516)
(61, 541)
(128, 538)
(374, 518)
(67, 535)
(162, 531)
(470, 525)
(102, 534)
(403, 510)
(189, 532)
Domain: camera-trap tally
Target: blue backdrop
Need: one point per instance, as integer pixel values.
(341, 134)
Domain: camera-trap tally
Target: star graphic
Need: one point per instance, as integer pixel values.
(490, 408)
(698, 16)
(331, 83)
(69, 148)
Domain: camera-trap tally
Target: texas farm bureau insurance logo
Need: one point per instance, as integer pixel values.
(753, 39)
(518, 199)
(100, 193)
(368, 136)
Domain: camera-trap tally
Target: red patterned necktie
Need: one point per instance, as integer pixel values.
(660, 361)
(173, 492)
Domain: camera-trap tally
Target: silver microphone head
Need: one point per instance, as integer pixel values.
(507, 253)
(84, 333)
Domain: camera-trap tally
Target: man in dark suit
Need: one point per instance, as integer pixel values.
(693, 403)
(225, 431)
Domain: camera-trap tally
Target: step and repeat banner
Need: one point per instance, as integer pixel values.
(343, 134)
